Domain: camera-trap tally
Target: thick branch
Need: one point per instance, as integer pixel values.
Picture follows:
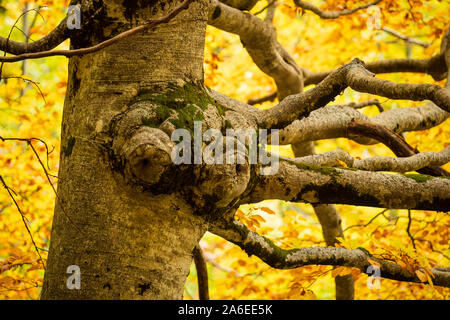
(356, 76)
(333, 121)
(254, 244)
(327, 159)
(300, 105)
(325, 185)
(50, 41)
(362, 82)
(413, 163)
(394, 141)
(434, 66)
(259, 39)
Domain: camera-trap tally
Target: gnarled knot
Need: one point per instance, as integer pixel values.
(147, 155)
(169, 143)
(218, 184)
(140, 151)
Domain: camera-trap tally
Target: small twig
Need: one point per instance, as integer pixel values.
(432, 248)
(18, 290)
(269, 97)
(23, 219)
(31, 139)
(360, 105)
(405, 38)
(29, 143)
(331, 14)
(33, 22)
(32, 82)
(10, 32)
(53, 187)
(370, 221)
(318, 276)
(408, 229)
(265, 7)
(220, 267)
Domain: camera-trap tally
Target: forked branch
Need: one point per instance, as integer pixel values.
(356, 76)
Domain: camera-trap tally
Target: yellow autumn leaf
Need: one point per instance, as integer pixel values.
(373, 262)
(258, 218)
(421, 275)
(342, 163)
(335, 272)
(341, 271)
(268, 210)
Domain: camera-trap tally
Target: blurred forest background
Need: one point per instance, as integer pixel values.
(31, 103)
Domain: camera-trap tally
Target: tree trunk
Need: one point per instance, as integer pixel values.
(128, 244)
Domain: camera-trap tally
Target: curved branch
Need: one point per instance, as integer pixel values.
(50, 41)
(412, 163)
(363, 104)
(324, 185)
(396, 143)
(333, 121)
(331, 14)
(405, 38)
(327, 159)
(76, 52)
(433, 66)
(259, 39)
(262, 247)
(362, 82)
(356, 76)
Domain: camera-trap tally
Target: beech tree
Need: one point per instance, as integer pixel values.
(131, 219)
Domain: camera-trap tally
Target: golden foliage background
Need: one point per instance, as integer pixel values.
(317, 45)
